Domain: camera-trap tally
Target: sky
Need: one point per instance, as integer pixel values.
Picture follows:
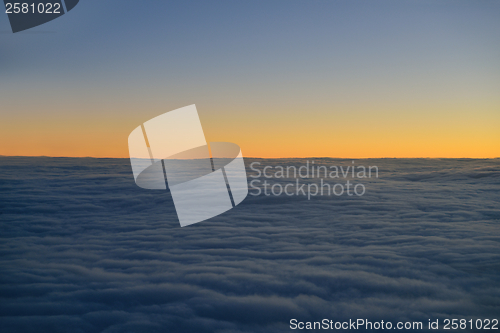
(350, 79)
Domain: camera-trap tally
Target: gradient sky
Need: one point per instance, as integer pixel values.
(279, 78)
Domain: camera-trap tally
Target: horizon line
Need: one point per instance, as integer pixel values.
(290, 157)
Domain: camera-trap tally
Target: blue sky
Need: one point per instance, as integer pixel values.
(401, 69)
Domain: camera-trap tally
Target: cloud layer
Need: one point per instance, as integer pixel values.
(85, 250)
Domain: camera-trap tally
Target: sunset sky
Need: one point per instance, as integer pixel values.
(290, 78)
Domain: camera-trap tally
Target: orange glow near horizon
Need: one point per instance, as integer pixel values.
(323, 133)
